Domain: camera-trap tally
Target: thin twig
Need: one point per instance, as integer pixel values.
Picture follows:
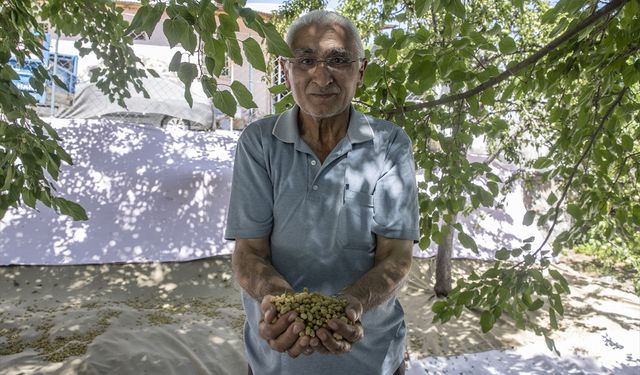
(575, 167)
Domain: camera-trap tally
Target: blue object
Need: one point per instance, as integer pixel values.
(67, 70)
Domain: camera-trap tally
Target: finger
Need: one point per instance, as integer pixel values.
(352, 314)
(288, 338)
(268, 309)
(317, 346)
(299, 347)
(333, 346)
(270, 331)
(349, 332)
(354, 309)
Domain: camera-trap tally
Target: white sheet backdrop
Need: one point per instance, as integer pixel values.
(150, 194)
(162, 195)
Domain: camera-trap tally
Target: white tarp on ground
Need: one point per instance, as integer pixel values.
(156, 195)
(150, 194)
(162, 195)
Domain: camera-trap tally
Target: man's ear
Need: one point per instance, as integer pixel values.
(283, 67)
(363, 66)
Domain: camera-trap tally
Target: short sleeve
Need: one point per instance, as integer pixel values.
(396, 193)
(250, 212)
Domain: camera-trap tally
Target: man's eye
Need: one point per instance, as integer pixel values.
(337, 60)
(307, 61)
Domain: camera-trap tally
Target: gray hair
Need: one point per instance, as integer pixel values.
(322, 17)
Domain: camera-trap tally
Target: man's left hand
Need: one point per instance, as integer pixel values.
(326, 342)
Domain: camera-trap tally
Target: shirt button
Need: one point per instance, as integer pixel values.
(313, 162)
(315, 187)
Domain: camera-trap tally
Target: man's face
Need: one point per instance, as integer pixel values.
(323, 89)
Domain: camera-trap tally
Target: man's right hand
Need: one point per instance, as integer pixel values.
(283, 335)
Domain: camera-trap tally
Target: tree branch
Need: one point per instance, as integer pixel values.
(575, 167)
(610, 7)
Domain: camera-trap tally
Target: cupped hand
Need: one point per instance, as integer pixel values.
(340, 336)
(282, 334)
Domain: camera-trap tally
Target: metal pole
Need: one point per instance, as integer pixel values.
(231, 74)
(55, 69)
(251, 91)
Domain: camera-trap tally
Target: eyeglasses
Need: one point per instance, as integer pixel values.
(336, 62)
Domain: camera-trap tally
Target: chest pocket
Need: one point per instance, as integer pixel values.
(355, 221)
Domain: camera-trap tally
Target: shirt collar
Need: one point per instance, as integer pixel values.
(286, 126)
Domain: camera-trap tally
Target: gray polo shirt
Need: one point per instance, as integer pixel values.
(322, 219)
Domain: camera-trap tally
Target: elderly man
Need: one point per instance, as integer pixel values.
(324, 198)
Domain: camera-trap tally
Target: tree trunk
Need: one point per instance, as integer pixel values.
(443, 262)
(445, 249)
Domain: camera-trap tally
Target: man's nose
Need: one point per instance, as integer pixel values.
(321, 74)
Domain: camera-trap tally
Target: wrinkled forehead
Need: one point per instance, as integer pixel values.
(322, 40)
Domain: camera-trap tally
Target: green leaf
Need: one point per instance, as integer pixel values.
(438, 306)
(372, 74)
(174, 65)
(507, 45)
(208, 22)
(556, 303)
(627, 142)
(224, 101)
(493, 186)
(174, 29)
(502, 254)
(542, 162)
(465, 297)
(275, 44)
(285, 103)
(210, 65)
(456, 8)
(487, 321)
(29, 198)
(551, 344)
(552, 319)
(209, 86)
(277, 89)
(424, 243)
(485, 198)
(552, 198)
(187, 95)
(153, 73)
(535, 305)
(254, 54)
(152, 19)
(391, 56)
(215, 51)
(491, 273)
(574, 210)
(528, 217)
(421, 6)
(187, 72)
(243, 95)
(558, 276)
(60, 83)
(228, 25)
(467, 242)
(189, 40)
(138, 20)
(234, 51)
(72, 209)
